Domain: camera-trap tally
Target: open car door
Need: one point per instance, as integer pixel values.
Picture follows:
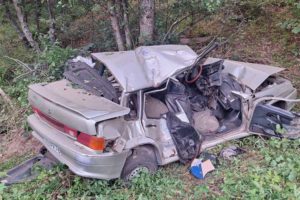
(274, 121)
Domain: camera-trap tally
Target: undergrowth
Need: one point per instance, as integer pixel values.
(270, 169)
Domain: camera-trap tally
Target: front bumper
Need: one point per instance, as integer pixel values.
(79, 159)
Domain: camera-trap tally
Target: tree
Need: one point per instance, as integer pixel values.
(37, 11)
(13, 22)
(52, 36)
(111, 4)
(127, 31)
(25, 28)
(147, 8)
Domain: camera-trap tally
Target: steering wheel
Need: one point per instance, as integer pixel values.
(189, 79)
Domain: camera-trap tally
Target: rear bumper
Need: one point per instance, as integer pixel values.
(79, 159)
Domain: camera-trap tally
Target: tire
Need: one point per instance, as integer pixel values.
(142, 159)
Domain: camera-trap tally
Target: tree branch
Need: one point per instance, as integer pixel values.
(173, 26)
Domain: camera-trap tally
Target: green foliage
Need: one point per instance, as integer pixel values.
(54, 57)
(49, 66)
(275, 176)
(212, 5)
(191, 11)
(269, 170)
(60, 184)
(245, 9)
(293, 24)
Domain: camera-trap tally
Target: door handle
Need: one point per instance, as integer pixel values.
(150, 125)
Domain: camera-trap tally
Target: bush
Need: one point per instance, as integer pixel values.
(293, 24)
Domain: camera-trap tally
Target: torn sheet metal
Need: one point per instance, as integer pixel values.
(146, 66)
(249, 74)
(24, 171)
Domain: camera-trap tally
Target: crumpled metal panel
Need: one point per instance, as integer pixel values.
(249, 74)
(146, 66)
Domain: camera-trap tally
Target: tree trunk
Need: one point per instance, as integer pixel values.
(115, 24)
(25, 28)
(25, 13)
(14, 23)
(52, 35)
(37, 15)
(146, 21)
(126, 25)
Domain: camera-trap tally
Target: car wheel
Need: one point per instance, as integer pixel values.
(142, 159)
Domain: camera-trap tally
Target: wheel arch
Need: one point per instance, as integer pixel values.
(138, 142)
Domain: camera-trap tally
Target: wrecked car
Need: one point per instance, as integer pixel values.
(136, 110)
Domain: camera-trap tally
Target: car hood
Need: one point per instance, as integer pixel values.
(249, 74)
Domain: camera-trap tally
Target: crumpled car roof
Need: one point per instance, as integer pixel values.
(146, 66)
(150, 66)
(249, 74)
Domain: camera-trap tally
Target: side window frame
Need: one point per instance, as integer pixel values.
(138, 106)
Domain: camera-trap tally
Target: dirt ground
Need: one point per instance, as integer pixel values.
(17, 144)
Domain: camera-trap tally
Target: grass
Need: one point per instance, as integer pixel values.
(270, 169)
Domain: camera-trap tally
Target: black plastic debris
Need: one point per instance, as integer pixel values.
(185, 138)
(89, 79)
(24, 171)
(176, 94)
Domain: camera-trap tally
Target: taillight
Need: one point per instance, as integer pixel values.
(70, 131)
(93, 142)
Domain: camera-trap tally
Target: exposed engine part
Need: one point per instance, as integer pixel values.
(199, 103)
(210, 78)
(205, 122)
(225, 96)
(88, 78)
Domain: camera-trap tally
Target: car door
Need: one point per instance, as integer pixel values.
(272, 120)
(155, 125)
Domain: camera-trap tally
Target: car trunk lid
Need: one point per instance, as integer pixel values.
(73, 106)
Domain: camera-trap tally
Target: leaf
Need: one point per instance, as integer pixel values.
(292, 176)
(2, 187)
(296, 30)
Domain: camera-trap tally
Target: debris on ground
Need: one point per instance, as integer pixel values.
(24, 171)
(200, 168)
(231, 151)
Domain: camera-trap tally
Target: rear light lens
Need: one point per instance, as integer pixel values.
(95, 143)
(70, 131)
